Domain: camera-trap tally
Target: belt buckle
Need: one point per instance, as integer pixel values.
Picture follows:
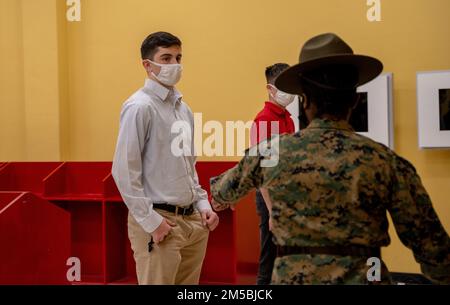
(186, 210)
(178, 208)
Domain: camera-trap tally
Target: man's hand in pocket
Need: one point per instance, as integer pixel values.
(162, 231)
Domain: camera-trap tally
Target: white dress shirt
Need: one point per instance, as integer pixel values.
(144, 167)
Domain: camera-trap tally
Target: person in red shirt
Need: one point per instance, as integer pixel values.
(273, 119)
(274, 109)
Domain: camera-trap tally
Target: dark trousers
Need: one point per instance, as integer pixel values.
(268, 249)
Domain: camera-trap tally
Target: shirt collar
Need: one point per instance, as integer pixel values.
(278, 110)
(162, 92)
(330, 124)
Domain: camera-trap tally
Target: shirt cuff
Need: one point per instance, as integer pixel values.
(152, 222)
(203, 205)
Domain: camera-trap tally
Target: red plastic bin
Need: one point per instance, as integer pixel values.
(78, 187)
(87, 237)
(26, 177)
(97, 219)
(33, 235)
(120, 265)
(110, 190)
(77, 180)
(220, 264)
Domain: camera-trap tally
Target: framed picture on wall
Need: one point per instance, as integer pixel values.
(373, 116)
(433, 105)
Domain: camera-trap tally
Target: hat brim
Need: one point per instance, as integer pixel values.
(368, 67)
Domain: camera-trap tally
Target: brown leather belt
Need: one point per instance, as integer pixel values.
(360, 251)
(185, 211)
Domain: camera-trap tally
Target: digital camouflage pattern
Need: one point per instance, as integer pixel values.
(333, 187)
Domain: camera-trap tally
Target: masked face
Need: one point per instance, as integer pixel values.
(282, 98)
(169, 75)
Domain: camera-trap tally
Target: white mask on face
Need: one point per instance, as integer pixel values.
(282, 98)
(169, 75)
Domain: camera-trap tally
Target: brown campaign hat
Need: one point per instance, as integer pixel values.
(321, 51)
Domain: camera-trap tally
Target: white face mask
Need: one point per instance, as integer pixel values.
(283, 98)
(169, 75)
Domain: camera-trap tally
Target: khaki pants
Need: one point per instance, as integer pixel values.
(178, 259)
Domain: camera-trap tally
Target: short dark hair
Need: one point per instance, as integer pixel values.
(332, 89)
(273, 71)
(155, 40)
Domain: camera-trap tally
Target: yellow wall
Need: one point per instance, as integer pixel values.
(12, 131)
(62, 84)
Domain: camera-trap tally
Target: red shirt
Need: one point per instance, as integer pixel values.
(271, 113)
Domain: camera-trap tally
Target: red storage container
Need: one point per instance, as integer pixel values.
(78, 187)
(220, 265)
(34, 238)
(120, 265)
(86, 214)
(87, 237)
(27, 176)
(110, 190)
(77, 180)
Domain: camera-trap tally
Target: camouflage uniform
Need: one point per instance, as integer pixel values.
(332, 187)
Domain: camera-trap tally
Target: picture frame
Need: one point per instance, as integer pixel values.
(375, 110)
(433, 109)
(373, 116)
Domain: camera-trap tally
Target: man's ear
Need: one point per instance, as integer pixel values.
(146, 65)
(304, 101)
(271, 90)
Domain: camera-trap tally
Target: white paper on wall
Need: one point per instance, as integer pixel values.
(433, 109)
(379, 110)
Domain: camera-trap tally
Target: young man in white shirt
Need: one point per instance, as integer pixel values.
(169, 213)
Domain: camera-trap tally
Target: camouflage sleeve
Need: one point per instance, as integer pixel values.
(417, 223)
(235, 183)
